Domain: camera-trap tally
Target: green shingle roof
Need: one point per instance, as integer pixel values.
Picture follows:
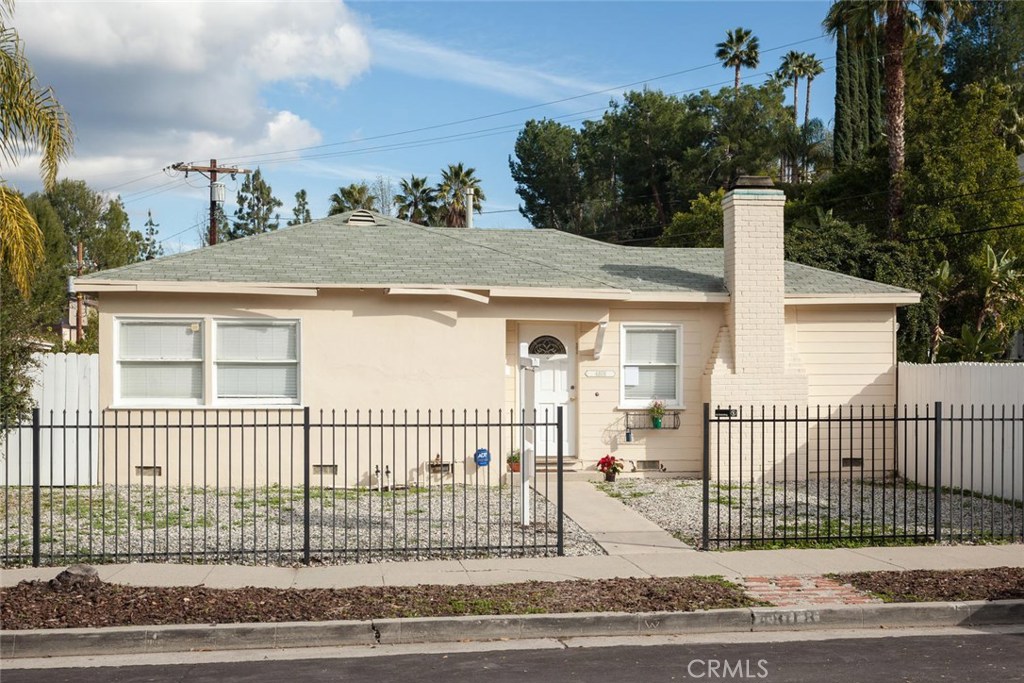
(394, 252)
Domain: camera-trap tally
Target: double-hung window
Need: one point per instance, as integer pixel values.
(651, 365)
(160, 360)
(257, 361)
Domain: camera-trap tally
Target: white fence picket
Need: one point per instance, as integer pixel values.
(67, 393)
(986, 458)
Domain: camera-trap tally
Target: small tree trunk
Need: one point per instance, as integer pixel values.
(736, 88)
(895, 30)
(796, 107)
(807, 103)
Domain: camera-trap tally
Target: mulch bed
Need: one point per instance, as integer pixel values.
(40, 604)
(1004, 583)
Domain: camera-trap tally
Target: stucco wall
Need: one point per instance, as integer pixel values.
(602, 423)
(368, 350)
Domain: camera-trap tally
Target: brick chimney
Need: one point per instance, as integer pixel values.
(750, 363)
(754, 274)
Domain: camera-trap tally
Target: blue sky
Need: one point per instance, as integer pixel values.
(152, 83)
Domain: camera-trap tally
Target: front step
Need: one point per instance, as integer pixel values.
(550, 464)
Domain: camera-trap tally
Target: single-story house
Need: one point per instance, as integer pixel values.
(363, 311)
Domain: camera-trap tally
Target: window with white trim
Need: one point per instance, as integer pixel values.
(160, 360)
(651, 370)
(257, 361)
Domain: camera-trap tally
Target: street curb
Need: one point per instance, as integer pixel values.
(124, 640)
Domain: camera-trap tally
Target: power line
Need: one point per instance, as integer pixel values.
(494, 114)
(967, 232)
(517, 110)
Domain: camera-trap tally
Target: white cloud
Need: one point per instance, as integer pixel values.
(269, 40)
(411, 54)
(151, 83)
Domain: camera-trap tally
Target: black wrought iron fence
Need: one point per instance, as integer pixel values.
(827, 475)
(280, 486)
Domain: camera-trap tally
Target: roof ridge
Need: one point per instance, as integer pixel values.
(528, 260)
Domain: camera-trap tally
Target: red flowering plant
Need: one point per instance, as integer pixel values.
(610, 463)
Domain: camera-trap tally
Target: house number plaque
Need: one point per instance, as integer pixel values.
(600, 373)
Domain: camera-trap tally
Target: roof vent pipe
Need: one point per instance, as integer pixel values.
(469, 208)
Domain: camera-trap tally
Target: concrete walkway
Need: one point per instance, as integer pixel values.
(618, 529)
(732, 565)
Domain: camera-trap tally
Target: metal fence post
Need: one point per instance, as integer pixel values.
(937, 488)
(560, 478)
(706, 510)
(305, 486)
(36, 488)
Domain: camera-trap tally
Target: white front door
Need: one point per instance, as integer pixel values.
(552, 384)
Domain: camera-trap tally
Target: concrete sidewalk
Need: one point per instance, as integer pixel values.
(664, 563)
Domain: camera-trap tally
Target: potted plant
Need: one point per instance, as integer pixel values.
(513, 459)
(610, 466)
(657, 412)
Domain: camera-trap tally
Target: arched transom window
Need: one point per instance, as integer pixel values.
(546, 346)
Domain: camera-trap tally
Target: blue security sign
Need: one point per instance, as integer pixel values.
(482, 457)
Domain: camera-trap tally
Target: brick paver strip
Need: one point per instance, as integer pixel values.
(799, 591)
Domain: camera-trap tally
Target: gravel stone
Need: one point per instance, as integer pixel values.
(265, 525)
(815, 511)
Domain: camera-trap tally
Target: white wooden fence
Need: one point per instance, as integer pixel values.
(67, 392)
(962, 383)
(983, 417)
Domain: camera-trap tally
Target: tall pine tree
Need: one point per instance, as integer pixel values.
(301, 213)
(151, 247)
(256, 206)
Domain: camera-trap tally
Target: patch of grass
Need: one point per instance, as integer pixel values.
(830, 533)
(732, 487)
(732, 503)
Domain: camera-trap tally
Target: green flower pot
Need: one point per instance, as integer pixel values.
(656, 422)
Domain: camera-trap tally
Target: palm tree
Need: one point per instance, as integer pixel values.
(415, 200)
(790, 71)
(31, 121)
(451, 194)
(350, 198)
(896, 18)
(811, 68)
(740, 49)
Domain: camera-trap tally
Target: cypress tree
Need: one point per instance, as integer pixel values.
(876, 117)
(857, 102)
(863, 97)
(841, 152)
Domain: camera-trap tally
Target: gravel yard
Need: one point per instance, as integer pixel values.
(266, 525)
(815, 512)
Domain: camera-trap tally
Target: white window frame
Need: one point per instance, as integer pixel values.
(119, 400)
(215, 363)
(634, 403)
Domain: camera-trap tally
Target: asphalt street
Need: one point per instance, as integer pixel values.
(988, 657)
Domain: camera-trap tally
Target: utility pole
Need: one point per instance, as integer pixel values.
(216, 189)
